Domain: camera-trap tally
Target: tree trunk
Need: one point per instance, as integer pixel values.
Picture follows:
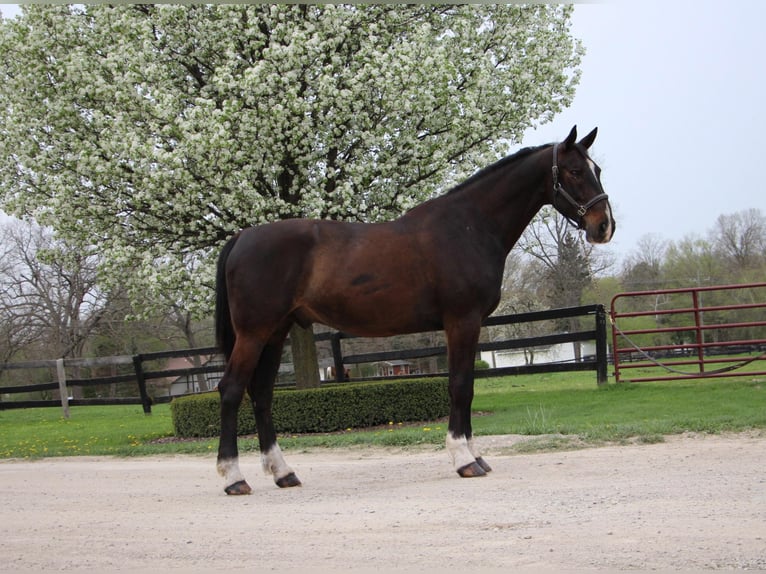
(185, 323)
(305, 360)
(574, 326)
(199, 377)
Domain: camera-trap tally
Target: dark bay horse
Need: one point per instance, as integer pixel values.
(439, 266)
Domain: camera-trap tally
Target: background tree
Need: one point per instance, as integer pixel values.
(521, 293)
(692, 261)
(49, 297)
(567, 263)
(642, 269)
(741, 238)
(16, 333)
(732, 253)
(156, 132)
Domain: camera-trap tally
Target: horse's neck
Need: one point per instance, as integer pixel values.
(511, 199)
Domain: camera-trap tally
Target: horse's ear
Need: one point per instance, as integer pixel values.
(587, 141)
(571, 138)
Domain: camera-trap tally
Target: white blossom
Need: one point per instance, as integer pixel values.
(157, 131)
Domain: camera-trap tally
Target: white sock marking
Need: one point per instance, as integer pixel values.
(274, 463)
(459, 451)
(229, 469)
(473, 449)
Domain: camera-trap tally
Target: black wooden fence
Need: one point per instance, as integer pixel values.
(140, 373)
(138, 376)
(596, 333)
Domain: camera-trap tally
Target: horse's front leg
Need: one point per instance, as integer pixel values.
(462, 339)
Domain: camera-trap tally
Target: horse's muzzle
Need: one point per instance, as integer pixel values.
(600, 227)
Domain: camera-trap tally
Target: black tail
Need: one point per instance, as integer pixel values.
(224, 330)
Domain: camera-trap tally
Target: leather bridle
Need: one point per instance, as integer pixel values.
(559, 191)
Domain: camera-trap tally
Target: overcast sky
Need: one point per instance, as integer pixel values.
(676, 89)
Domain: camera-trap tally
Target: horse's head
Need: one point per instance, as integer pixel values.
(577, 192)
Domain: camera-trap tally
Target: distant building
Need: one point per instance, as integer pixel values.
(394, 368)
(561, 353)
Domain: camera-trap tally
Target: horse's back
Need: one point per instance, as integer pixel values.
(362, 278)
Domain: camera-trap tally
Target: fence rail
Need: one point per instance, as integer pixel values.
(703, 331)
(598, 334)
(141, 374)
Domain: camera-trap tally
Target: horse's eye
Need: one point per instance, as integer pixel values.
(575, 172)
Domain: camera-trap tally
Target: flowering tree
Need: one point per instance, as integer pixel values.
(155, 132)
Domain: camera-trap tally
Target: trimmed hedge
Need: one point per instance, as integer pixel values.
(326, 409)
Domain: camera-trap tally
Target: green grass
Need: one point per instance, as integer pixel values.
(119, 430)
(567, 404)
(616, 412)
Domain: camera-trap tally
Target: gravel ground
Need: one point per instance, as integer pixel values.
(692, 502)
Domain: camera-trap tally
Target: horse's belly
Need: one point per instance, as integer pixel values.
(375, 312)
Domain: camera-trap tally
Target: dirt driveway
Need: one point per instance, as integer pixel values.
(693, 502)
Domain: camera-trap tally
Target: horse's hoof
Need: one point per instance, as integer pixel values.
(483, 464)
(240, 487)
(471, 470)
(288, 481)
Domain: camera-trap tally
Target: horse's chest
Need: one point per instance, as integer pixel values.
(471, 264)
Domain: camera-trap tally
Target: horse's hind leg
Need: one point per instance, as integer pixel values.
(239, 370)
(261, 392)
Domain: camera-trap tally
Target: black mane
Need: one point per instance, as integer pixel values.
(481, 174)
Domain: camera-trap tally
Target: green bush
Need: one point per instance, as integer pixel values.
(326, 409)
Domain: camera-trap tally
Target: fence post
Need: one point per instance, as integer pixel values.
(337, 356)
(141, 380)
(700, 334)
(601, 350)
(61, 375)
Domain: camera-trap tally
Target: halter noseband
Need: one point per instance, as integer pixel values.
(558, 190)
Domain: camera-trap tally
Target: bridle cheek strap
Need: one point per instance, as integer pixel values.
(559, 191)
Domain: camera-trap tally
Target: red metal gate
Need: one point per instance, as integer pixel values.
(689, 333)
